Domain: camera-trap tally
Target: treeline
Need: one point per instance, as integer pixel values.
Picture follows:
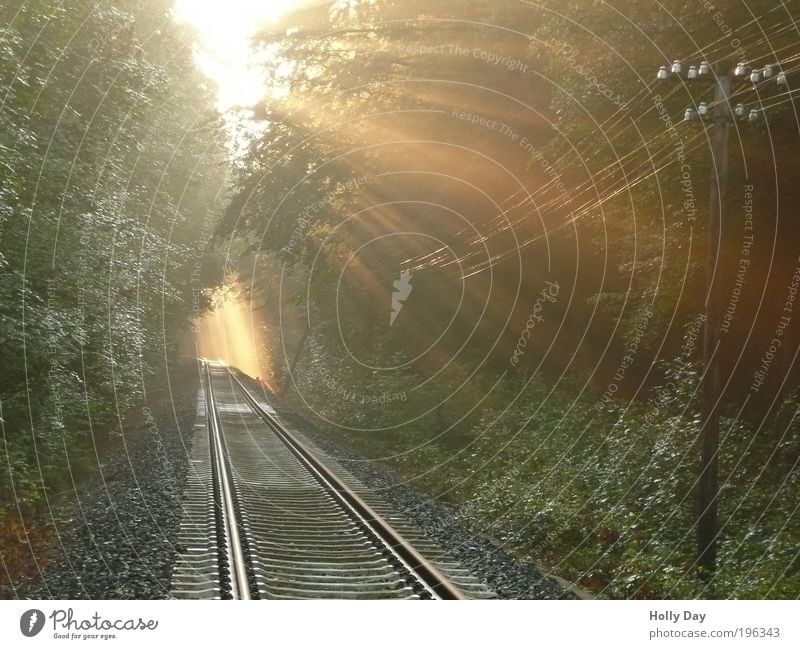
(112, 160)
(543, 370)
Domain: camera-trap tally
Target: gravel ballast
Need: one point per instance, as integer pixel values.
(114, 537)
(117, 540)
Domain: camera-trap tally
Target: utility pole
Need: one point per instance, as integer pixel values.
(708, 488)
(722, 116)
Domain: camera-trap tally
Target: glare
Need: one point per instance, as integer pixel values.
(225, 29)
(233, 333)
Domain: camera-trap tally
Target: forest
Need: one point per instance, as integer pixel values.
(537, 185)
(113, 160)
(476, 241)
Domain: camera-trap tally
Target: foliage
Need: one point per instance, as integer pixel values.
(112, 159)
(489, 148)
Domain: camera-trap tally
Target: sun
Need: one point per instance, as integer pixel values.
(225, 28)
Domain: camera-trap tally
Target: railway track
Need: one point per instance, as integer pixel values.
(265, 518)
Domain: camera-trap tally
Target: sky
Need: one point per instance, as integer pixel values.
(224, 28)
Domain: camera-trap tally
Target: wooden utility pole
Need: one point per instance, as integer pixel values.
(708, 488)
(723, 116)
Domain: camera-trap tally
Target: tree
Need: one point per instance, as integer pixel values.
(113, 159)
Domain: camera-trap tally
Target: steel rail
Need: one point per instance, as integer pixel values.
(236, 556)
(427, 574)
